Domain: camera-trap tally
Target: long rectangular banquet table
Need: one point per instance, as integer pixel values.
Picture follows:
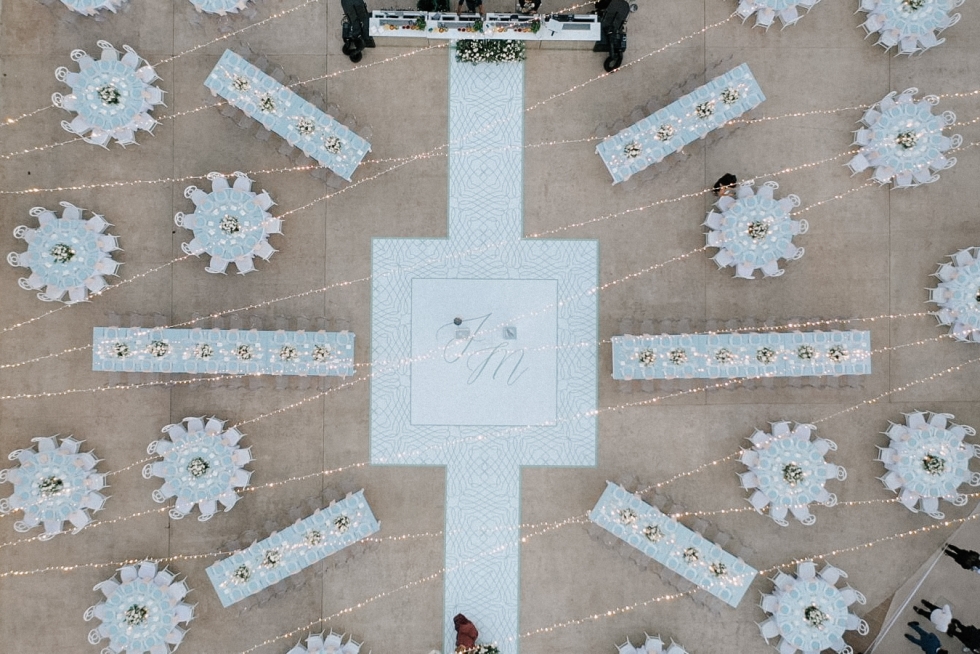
(300, 545)
(223, 351)
(559, 29)
(667, 541)
(713, 356)
(282, 111)
(681, 122)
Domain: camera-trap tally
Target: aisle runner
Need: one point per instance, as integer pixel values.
(509, 385)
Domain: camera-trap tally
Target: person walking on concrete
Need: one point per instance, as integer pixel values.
(928, 642)
(940, 617)
(968, 559)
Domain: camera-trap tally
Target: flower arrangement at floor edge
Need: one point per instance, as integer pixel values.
(490, 51)
(478, 649)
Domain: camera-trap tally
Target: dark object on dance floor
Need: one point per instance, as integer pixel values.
(968, 559)
(466, 633)
(725, 185)
(613, 15)
(528, 6)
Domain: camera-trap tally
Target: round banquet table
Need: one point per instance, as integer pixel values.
(211, 447)
(220, 7)
(240, 205)
(902, 117)
(83, 242)
(898, 16)
(756, 251)
(791, 620)
(90, 106)
(160, 619)
(958, 295)
(940, 443)
(781, 452)
(89, 7)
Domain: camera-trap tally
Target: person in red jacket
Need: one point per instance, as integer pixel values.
(466, 633)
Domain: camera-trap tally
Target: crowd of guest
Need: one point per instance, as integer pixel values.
(942, 618)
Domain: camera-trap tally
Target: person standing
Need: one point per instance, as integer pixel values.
(928, 642)
(940, 617)
(473, 6)
(360, 28)
(466, 633)
(967, 559)
(966, 634)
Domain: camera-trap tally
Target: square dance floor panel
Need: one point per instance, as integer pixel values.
(498, 366)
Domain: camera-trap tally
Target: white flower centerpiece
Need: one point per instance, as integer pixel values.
(678, 356)
(730, 95)
(230, 225)
(120, 350)
(240, 83)
(647, 357)
(691, 555)
(305, 126)
(724, 356)
(718, 569)
(837, 353)
(50, 486)
(806, 352)
(242, 574)
(314, 537)
(135, 615)
(198, 467)
(321, 353)
(933, 464)
(203, 351)
(333, 145)
(288, 353)
(705, 110)
(267, 104)
(792, 474)
(627, 516)
(271, 558)
(109, 94)
(62, 253)
(913, 5)
(758, 229)
(653, 533)
(490, 51)
(814, 616)
(665, 132)
(632, 150)
(244, 352)
(765, 355)
(341, 523)
(158, 348)
(907, 140)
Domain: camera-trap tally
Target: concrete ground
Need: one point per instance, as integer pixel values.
(867, 254)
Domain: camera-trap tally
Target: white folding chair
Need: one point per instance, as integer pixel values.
(626, 648)
(147, 570)
(351, 647)
(217, 266)
(749, 458)
(831, 574)
(244, 264)
(759, 501)
(127, 573)
(272, 226)
(218, 182)
(242, 182)
(264, 250)
(769, 629)
(264, 200)
(806, 570)
(778, 515)
(194, 424)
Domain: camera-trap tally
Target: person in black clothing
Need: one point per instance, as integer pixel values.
(612, 20)
(528, 6)
(473, 6)
(360, 28)
(966, 634)
(966, 558)
(927, 641)
(725, 185)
